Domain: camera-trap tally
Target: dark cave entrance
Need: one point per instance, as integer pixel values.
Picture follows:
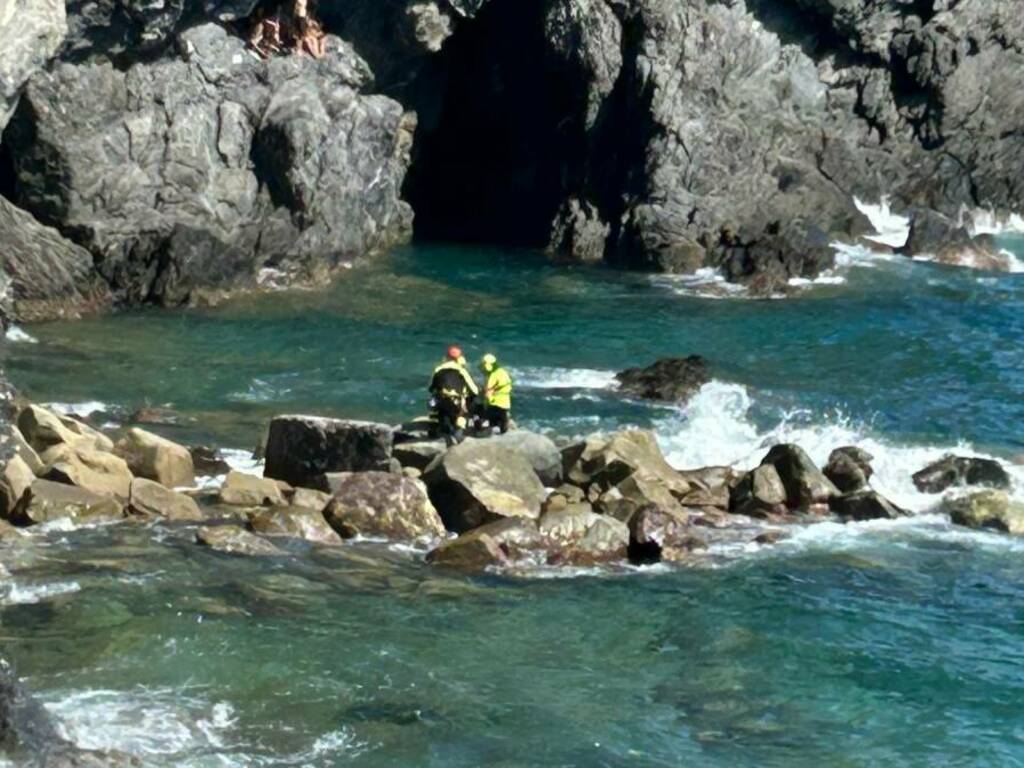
(8, 183)
(491, 160)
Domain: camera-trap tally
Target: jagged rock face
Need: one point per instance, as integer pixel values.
(31, 31)
(213, 165)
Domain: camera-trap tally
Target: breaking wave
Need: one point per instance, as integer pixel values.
(564, 378)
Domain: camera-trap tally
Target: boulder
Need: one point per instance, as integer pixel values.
(15, 479)
(988, 509)
(46, 500)
(673, 380)
(636, 491)
(953, 471)
(157, 458)
(150, 499)
(307, 498)
(383, 504)
(865, 505)
(472, 551)
(849, 469)
(478, 481)
(295, 522)
(418, 455)
(242, 490)
(942, 239)
(579, 536)
(30, 34)
(805, 484)
(89, 435)
(608, 461)
(657, 534)
(208, 461)
(43, 429)
(300, 449)
(540, 451)
(81, 465)
(760, 493)
(235, 540)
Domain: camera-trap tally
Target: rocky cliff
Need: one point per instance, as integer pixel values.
(669, 135)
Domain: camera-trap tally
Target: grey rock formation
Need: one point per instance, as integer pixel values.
(187, 176)
(301, 449)
(31, 31)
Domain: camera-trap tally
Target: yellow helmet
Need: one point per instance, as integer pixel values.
(488, 363)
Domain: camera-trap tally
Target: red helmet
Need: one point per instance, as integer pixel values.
(454, 352)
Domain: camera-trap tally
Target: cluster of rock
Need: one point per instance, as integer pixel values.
(156, 160)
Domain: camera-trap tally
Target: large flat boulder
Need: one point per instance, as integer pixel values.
(540, 451)
(88, 468)
(301, 449)
(295, 522)
(383, 504)
(242, 490)
(418, 454)
(156, 458)
(479, 481)
(152, 500)
(953, 471)
(46, 500)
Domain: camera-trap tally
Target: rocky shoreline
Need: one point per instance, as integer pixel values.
(148, 157)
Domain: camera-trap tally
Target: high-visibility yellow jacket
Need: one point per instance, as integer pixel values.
(451, 376)
(498, 389)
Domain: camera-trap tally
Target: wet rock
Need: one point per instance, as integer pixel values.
(208, 461)
(988, 509)
(865, 505)
(760, 493)
(235, 540)
(635, 492)
(578, 536)
(657, 533)
(307, 498)
(768, 538)
(383, 504)
(607, 461)
(242, 490)
(941, 239)
(46, 276)
(88, 468)
(46, 500)
(300, 449)
(296, 522)
(149, 414)
(849, 469)
(418, 455)
(156, 458)
(539, 450)
(473, 551)
(150, 499)
(479, 481)
(15, 479)
(673, 380)
(805, 484)
(958, 471)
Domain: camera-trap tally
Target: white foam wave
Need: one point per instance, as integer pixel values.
(79, 410)
(237, 459)
(716, 428)
(891, 229)
(986, 222)
(706, 283)
(27, 594)
(143, 721)
(564, 378)
(16, 334)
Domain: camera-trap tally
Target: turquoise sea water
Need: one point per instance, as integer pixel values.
(863, 645)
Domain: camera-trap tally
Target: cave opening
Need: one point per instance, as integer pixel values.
(8, 180)
(491, 159)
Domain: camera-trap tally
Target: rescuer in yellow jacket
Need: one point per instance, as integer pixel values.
(453, 391)
(497, 393)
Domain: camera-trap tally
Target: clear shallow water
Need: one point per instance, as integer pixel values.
(851, 645)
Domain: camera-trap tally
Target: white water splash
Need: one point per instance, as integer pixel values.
(891, 229)
(563, 378)
(705, 283)
(237, 459)
(28, 594)
(17, 335)
(79, 410)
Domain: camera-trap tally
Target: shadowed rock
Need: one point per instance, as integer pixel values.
(673, 380)
(301, 449)
(960, 470)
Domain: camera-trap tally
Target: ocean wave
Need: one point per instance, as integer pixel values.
(716, 429)
(564, 378)
(237, 459)
(17, 335)
(80, 410)
(891, 228)
(705, 283)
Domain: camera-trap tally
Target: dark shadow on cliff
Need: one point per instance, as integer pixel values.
(490, 162)
(8, 184)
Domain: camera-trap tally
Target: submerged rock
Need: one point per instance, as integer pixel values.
(960, 470)
(156, 458)
(235, 540)
(478, 481)
(383, 504)
(866, 505)
(301, 449)
(295, 522)
(673, 380)
(472, 551)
